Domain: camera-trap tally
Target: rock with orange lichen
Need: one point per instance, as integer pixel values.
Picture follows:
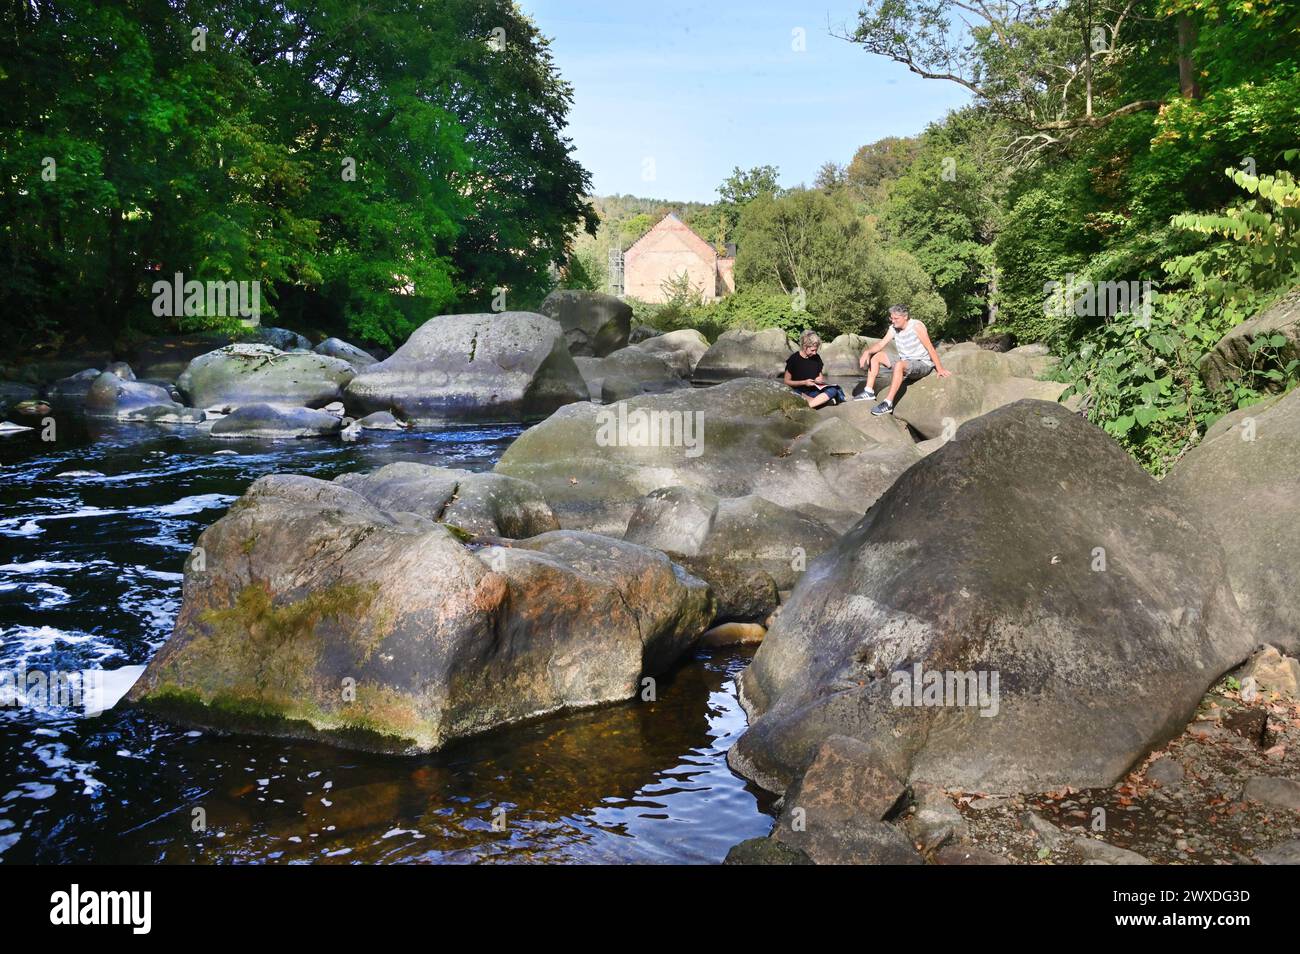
(310, 612)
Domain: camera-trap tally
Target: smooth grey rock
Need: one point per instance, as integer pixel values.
(338, 348)
(1281, 793)
(507, 366)
(595, 324)
(1255, 522)
(742, 353)
(273, 422)
(480, 504)
(979, 559)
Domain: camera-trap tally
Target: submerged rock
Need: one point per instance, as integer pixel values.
(507, 366)
(70, 392)
(115, 396)
(1030, 550)
(315, 614)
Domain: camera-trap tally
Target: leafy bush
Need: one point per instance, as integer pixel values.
(1139, 376)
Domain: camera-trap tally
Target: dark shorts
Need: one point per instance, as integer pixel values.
(834, 390)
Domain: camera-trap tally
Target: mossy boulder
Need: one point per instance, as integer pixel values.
(240, 374)
(309, 612)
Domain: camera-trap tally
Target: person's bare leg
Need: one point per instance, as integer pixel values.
(818, 400)
(877, 360)
(896, 379)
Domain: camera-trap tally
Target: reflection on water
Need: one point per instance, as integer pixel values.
(93, 531)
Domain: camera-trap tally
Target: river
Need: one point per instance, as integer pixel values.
(93, 531)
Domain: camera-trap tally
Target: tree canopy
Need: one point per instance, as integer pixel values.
(368, 165)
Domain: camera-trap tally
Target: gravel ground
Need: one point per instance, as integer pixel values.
(1186, 804)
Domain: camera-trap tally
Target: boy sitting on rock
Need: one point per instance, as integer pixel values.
(916, 358)
(803, 372)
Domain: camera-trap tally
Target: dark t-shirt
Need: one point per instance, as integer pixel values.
(803, 369)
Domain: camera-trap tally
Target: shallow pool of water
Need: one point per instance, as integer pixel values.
(93, 531)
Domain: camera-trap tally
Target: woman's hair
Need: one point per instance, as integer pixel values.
(809, 338)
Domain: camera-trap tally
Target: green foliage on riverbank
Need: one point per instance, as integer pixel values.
(1093, 156)
(368, 165)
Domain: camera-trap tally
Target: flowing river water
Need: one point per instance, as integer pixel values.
(93, 532)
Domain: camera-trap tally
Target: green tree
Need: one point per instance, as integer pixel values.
(818, 251)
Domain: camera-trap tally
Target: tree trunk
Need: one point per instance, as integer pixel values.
(993, 294)
(1187, 84)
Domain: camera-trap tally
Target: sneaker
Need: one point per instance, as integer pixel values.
(866, 395)
(884, 407)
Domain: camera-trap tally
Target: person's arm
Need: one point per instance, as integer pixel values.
(878, 346)
(924, 337)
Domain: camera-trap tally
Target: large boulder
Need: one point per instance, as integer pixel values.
(1023, 610)
(981, 381)
(315, 614)
(1278, 326)
(1243, 481)
(681, 349)
(841, 356)
(506, 366)
(740, 353)
(594, 323)
(626, 373)
(241, 374)
(744, 531)
(338, 348)
(594, 464)
(273, 422)
(115, 397)
(481, 504)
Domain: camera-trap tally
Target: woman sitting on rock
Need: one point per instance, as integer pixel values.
(803, 372)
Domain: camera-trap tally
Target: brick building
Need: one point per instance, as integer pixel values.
(666, 252)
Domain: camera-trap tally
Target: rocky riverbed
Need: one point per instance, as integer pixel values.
(975, 618)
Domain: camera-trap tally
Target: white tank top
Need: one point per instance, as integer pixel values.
(908, 344)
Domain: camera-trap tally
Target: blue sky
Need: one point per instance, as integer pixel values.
(686, 90)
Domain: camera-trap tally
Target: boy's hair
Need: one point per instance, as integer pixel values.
(897, 310)
(809, 338)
